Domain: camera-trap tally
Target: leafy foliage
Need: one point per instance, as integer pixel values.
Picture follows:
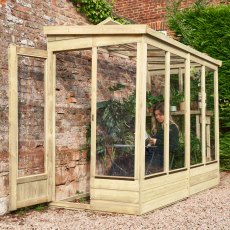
(176, 96)
(207, 29)
(116, 122)
(195, 85)
(152, 100)
(98, 10)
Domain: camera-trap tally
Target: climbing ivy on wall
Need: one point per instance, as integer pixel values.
(207, 29)
(98, 10)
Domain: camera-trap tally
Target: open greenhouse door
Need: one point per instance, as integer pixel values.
(31, 152)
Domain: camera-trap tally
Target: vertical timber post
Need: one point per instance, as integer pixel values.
(187, 117)
(13, 125)
(50, 83)
(166, 112)
(203, 115)
(216, 113)
(93, 116)
(139, 165)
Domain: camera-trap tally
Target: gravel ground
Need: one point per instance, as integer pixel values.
(207, 210)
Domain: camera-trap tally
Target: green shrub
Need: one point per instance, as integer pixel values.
(98, 10)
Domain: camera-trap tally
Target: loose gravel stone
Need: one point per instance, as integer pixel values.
(209, 209)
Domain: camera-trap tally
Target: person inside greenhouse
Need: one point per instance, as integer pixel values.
(155, 142)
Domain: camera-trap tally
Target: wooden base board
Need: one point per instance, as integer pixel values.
(156, 192)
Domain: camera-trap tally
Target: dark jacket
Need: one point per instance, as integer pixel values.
(173, 138)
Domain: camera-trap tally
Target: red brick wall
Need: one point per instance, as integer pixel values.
(150, 12)
(22, 22)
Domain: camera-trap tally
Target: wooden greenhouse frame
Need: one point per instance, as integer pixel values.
(139, 194)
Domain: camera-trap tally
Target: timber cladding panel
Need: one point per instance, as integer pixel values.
(28, 191)
(204, 177)
(160, 191)
(115, 196)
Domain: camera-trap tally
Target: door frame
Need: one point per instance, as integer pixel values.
(46, 180)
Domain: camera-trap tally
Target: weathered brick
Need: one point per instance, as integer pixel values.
(150, 12)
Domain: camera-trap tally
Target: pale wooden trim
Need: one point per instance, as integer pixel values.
(53, 157)
(126, 30)
(181, 80)
(148, 82)
(13, 125)
(211, 162)
(93, 114)
(198, 127)
(78, 196)
(165, 46)
(32, 52)
(114, 177)
(164, 200)
(164, 190)
(52, 38)
(178, 170)
(196, 165)
(216, 112)
(203, 177)
(32, 178)
(141, 115)
(183, 47)
(70, 44)
(143, 75)
(120, 185)
(45, 100)
(203, 169)
(172, 66)
(137, 161)
(131, 197)
(208, 142)
(50, 84)
(187, 119)
(109, 21)
(187, 111)
(205, 185)
(89, 42)
(154, 175)
(162, 72)
(25, 203)
(166, 111)
(69, 205)
(118, 55)
(203, 115)
(164, 180)
(118, 207)
(192, 112)
(212, 65)
(175, 60)
(95, 30)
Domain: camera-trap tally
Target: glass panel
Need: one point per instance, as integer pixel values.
(154, 150)
(176, 119)
(195, 140)
(116, 103)
(31, 116)
(73, 113)
(195, 104)
(210, 125)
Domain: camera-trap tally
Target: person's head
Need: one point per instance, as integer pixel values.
(158, 112)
